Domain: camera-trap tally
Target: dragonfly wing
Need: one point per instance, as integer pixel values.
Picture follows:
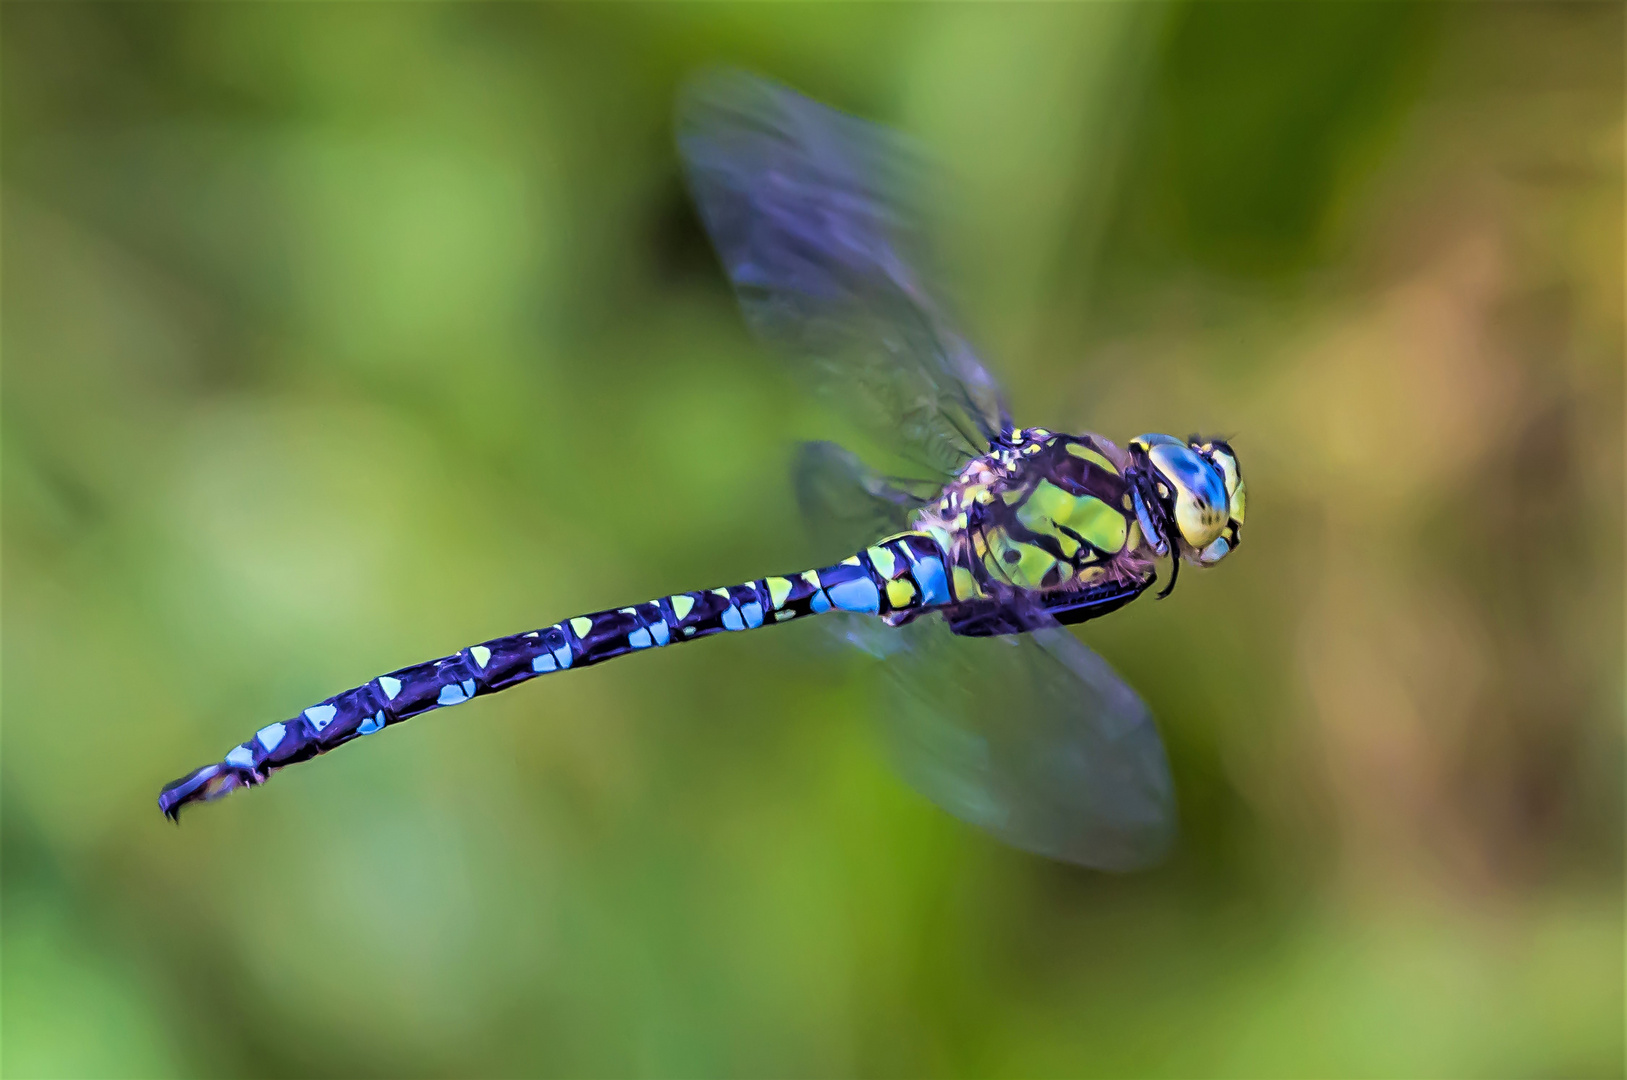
(846, 503)
(1032, 737)
(809, 210)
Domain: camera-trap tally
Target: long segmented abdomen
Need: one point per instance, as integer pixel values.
(901, 574)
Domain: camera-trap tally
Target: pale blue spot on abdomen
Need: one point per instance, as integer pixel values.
(456, 693)
(934, 583)
(858, 595)
(753, 611)
(320, 716)
(271, 735)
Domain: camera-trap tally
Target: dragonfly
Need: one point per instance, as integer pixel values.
(962, 579)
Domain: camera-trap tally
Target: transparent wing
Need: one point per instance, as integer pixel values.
(847, 504)
(1032, 737)
(808, 210)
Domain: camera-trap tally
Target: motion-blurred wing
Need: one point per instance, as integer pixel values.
(1032, 737)
(806, 207)
(847, 504)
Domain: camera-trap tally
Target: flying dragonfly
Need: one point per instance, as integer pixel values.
(960, 581)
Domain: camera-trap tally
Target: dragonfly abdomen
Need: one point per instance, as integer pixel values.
(903, 573)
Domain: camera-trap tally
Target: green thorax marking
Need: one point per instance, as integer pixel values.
(1050, 511)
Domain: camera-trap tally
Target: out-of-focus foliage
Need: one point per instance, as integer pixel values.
(339, 336)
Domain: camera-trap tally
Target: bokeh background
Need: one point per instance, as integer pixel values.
(337, 337)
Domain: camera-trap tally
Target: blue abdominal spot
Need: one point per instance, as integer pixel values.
(858, 595)
(934, 585)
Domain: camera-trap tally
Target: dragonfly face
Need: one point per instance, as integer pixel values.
(1188, 495)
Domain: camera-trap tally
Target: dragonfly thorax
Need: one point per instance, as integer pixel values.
(1041, 511)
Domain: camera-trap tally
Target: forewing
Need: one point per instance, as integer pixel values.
(1031, 736)
(809, 210)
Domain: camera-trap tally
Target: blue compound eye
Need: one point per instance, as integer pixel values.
(1201, 503)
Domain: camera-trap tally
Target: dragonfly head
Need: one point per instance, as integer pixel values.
(1188, 496)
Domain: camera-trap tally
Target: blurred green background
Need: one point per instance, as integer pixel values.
(337, 337)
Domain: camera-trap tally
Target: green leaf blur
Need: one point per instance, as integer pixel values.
(336, 337)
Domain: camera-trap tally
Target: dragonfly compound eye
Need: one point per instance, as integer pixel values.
(1226, 462)
(1202, 505)
(1221, 456)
